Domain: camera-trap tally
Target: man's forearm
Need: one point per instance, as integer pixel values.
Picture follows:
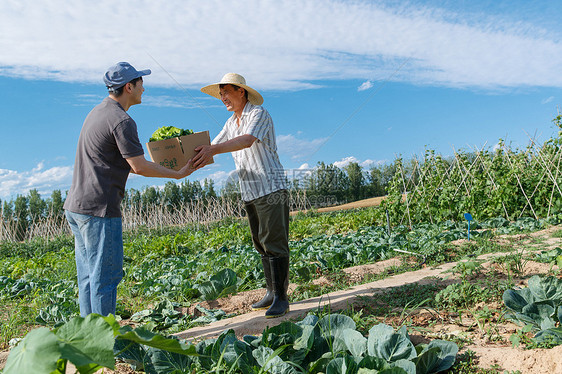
(205, 153)
(233, 145)
(151, 169)
(141, 166)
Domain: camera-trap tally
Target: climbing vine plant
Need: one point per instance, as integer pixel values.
(488, 182)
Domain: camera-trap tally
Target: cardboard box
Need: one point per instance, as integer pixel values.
(175, 152)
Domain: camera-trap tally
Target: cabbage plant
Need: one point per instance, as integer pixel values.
(539, 306)
(330, 345)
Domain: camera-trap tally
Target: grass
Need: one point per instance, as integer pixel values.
(339, 280)
(557, 234)
(513, 264)
(396, 300)
(15, 320)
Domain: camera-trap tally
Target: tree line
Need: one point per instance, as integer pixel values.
(325, 184)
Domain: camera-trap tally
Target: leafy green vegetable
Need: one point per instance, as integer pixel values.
(553, 256)
(538, 306)
(167, 132)
(329, 345)
(438, 355)
(342, 365)
(86, 342)
(220, 284)
(383, 342)
(162, 316)
(37, 352)
(552, 336)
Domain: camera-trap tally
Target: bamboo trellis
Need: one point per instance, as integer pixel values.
(426, 180)
(154, 217)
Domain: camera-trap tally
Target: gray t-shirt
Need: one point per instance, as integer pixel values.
(109, 136)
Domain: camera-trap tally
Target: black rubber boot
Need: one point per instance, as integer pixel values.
(268, 298)
(280, 277)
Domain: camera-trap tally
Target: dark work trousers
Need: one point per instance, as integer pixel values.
(269, 222)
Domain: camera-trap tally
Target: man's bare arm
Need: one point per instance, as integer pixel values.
(206, 152)
(140, 165)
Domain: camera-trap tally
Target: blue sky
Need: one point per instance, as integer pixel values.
(361, 81)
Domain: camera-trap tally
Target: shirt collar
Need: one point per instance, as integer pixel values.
(247, 108)
(245, 112)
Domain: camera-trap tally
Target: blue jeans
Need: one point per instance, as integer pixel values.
(98, 244)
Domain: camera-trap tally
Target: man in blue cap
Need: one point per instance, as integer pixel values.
(108, 150)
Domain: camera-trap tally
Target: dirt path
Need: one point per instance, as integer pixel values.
(373, 201)
(254, 322)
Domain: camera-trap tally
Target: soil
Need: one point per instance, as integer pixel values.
(489, 341)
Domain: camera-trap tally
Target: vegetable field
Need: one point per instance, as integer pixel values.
(431, 292)
(179, 278)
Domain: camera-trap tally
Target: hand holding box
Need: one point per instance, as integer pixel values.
(175, 152)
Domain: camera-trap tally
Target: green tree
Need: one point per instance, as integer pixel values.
(8, 211)
(326, 183)
(150, 197)
(356, 190)
(134, 198)
(55, 203)
(21, 214)
(231, 189)
(171, 196)
(190, 191)
(209, 189)
(375, 179)
(37, 206)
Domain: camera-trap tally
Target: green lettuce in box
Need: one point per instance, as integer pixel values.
(172, 147)
(168, 132)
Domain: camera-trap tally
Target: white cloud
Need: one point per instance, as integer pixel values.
(299, 173)
(43, 180)
(366, 164)
(365, 86)
(346, 161)
(219, 178)
(87, 99)
(296, 148)
(186, 43)
(547, 100)
(180, 101)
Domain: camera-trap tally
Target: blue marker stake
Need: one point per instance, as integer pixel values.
(468, 217)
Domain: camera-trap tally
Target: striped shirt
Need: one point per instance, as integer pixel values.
(259, 170)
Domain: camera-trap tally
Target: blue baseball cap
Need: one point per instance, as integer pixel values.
(120, 74)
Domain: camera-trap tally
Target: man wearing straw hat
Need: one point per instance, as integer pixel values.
(108, 150)
(249, 135)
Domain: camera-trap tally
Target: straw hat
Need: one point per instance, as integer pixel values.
(254, 96)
